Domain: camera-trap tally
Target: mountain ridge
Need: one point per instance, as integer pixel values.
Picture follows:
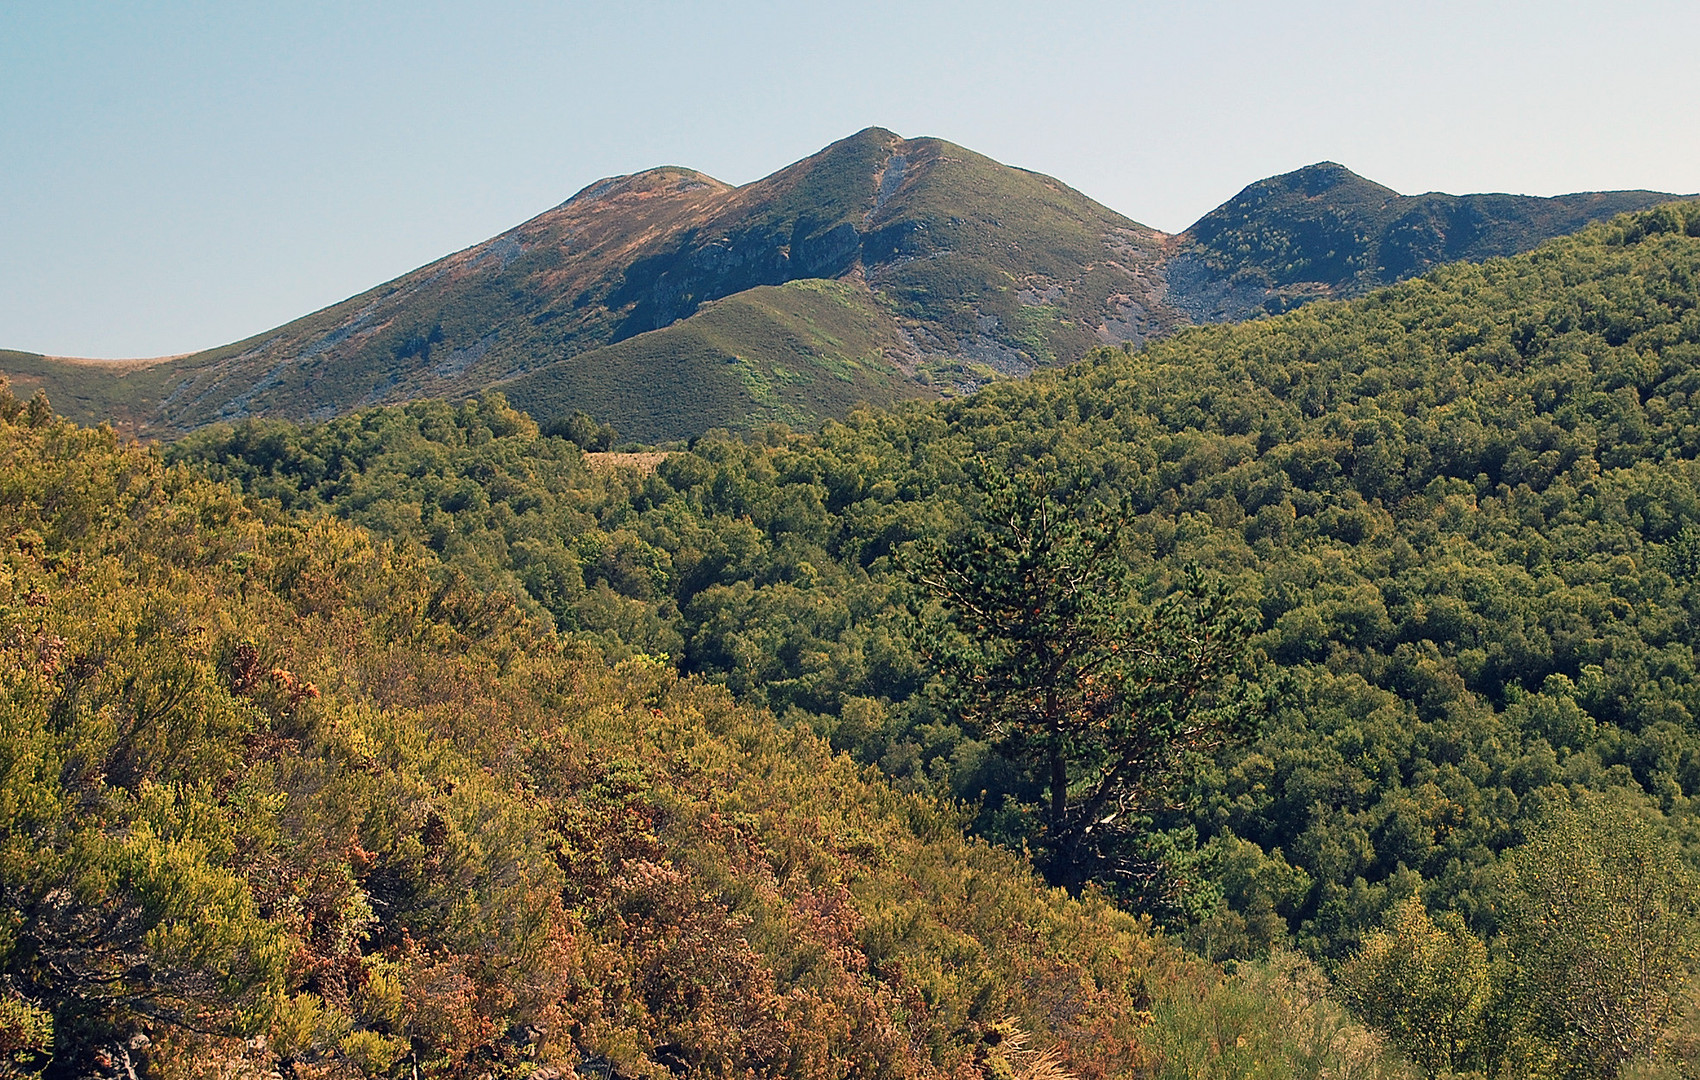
(956, 270)
(1277, 244)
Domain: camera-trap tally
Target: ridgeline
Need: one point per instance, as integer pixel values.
(878, 270)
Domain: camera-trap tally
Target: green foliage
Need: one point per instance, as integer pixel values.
(1455, 504)
(1460, 507)
(1273, 1019)
(503, 507)
(583, 431)
(1603, 919)
(277, 798)
(1043, 654)
(26, 1033)
(1425, 985)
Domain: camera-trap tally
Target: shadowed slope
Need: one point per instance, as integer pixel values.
(1324, 231)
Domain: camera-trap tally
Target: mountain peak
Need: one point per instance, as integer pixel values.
(1324, 231)
(661, 180)
(1325, 179)
(667, 302)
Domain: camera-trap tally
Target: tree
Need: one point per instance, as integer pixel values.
(1044, 651)
(582, 428)
(1425, 985)
(1603, 917)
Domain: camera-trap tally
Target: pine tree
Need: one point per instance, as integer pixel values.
(1044, 650)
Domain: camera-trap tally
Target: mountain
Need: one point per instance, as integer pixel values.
(879, 269)
(929, 263)
(1324, 231)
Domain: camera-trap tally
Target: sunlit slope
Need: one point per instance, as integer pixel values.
(787, 354)
(963, 270)
(92, 391)
(1465, 511)
(279, 796)
(970, 261)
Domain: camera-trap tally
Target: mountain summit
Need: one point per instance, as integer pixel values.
(880, 268)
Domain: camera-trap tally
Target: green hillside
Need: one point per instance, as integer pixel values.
(1323, 231)
(276, 799)
(772, 354)
(92, 391)
(1463, 514)
(977, 268)
(961, 270)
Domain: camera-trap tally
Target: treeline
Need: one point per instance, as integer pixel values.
(1464, 511)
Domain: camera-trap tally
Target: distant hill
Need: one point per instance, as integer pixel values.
(1324, 231)
(879, 269)
(944, 267)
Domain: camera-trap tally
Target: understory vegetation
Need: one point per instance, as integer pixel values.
(298, 714)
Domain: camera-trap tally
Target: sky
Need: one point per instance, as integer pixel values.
(177, 175)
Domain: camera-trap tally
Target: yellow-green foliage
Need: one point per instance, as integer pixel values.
(274, 795)
(26, 1032)
(1271, 1020)
(1603, 929)
(1426, 985)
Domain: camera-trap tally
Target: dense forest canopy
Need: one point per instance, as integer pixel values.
(448, 784)
(277, 798)
(1464, 512)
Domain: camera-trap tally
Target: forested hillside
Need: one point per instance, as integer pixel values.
(1462, 514)
(280, 799)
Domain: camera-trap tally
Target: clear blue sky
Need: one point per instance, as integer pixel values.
(175, 175)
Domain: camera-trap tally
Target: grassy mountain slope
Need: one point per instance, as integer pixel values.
(120, 391)
(787, 353)
(962, 271)
(967, 259)
(275, 798)
(1324, 231)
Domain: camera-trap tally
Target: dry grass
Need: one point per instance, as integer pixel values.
(121, 362)
(644, 462)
